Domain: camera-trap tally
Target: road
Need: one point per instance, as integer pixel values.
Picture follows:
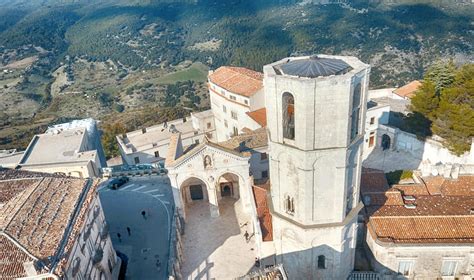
(147, 246)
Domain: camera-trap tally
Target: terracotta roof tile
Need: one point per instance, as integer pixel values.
(259, 116)
(238, 80)
(373, 180)
(263, 212)
(408, 90)
(12, 259)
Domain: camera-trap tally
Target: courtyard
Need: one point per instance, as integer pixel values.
(215, 248)
(147, 243)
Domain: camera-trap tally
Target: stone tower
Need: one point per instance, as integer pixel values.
(315, 114)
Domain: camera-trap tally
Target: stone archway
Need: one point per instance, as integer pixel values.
(193, 190)
(228, 185)
(386, 142)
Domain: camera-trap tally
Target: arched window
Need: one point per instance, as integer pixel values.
(288, 116)
(321, 262)
(355, 116)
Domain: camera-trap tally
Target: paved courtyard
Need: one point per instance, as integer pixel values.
(147, 246)
(389, 160)
(215, 248)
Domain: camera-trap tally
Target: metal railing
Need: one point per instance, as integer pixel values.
(364, 275)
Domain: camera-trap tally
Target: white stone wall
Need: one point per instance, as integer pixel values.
(427, 259)
(428, 151)
(83, 251)
(379, 115)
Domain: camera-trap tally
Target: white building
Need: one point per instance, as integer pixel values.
(316, 114)
(150, 145)
(234, 92)
(53, 228)
(73, 149)
(422, 230)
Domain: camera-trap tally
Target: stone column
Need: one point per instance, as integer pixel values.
(176, 194)
(213, 202)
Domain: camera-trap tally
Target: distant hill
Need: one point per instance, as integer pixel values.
(101, 57)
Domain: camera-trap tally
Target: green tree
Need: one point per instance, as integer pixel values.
(109, 142)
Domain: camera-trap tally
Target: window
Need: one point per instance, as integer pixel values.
(449, 268)
(236, 131)
(209, 125)
(224, 109)
(157, 154)
(372, 120)
(222, 92)
(195, 133)
(232, 97)
(233, 115)
(405, 267)
(225, 123)
(355, 115)
(288, 116)
(321, 262)
(246, 102)
(137, 160)
(144, 130)
(290, 205)
(196, 141)
(265, 174)
(349, 200)
(263, 156)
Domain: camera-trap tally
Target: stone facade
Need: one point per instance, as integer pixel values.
(315, 175)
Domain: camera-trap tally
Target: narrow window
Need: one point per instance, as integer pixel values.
(196, 141)
(224, 109)
(232, 97)
(265, 174)
(225, 123)
(157, 154)
(372, 120)
(321, 262)
(290, 205)
(236, 131)
(288, 116)
(355, 115)
(209, 125)
(263, 156)
(233, 115)
(137, 160)
(246, 102)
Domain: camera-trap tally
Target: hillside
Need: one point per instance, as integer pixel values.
(78, 58)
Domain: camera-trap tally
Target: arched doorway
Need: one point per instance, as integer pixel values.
(194, 193)
(385, 142)
(228, 186)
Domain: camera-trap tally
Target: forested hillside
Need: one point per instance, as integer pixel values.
(63, 59)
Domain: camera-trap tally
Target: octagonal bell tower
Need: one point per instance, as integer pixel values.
(315, 116)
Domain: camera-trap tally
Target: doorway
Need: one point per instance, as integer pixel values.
(196, 192)
(385, 142)
(226, 189)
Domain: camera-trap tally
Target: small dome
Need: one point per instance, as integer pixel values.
(315, 66)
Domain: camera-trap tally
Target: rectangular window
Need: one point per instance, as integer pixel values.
(196, 141)
(449, 268)
(233, 115)
(263, 156)
(236, 131)
(405, 267)
(232, 97)
(224, 109)
(209, 125)
(157, 154)
(265, 174)
(246, 102)
(137, 160)
(372, 120)
(225, 123)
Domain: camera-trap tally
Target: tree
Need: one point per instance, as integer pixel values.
(445, 105)
(109, 142)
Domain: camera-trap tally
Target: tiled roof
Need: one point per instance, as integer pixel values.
(438, 211)
(36, 214)
(259, 116)
(408, 90)
(247, 141)
(373, 180)
(237, 80)
(263, 212)
(12, 259)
